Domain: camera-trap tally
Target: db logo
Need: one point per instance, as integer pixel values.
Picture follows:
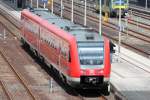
(91, 72)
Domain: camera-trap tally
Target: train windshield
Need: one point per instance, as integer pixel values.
(91, 54)
(117, 2)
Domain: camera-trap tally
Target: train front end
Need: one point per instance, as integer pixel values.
(95, 65)
(117, 4)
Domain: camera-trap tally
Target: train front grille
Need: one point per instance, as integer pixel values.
(91, 80)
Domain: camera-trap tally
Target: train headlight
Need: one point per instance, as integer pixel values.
(106, 79)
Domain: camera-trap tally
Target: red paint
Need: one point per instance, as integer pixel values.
(92, 72)
(46, 50)
(52, 54)
(107, 65)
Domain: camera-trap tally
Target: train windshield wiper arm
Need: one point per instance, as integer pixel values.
(71, 28)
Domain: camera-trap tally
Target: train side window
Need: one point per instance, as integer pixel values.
(69, 57)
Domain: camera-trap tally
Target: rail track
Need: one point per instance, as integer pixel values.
(10, 15)
(131, 21)
(138, 35)
(91, 8)
(19, 77)
(95, 19)
(9, 97)
(140, 24)
(112, 26)
(10, 20)
(92, 20)
(139, 11)
(140, 14)
(37, 97)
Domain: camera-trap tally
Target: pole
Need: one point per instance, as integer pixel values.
(44, 5)
(146, 4)
(0, 31)
(85, 2)
(51, 85)
(31, 4)
(137, 19)
(100, 17)
(127, 24)
(52, 7)
(72, 11)
(61, 11)
(4, 35)
(119, 44)
(37, 3)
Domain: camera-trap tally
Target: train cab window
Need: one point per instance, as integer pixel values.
(117, 2)
(91, 54)
(69, 56)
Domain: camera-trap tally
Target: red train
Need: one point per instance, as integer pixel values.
(80, 55)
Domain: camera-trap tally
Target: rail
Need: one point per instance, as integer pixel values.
(130, 32)
(22, 80)
(88, 17)
(5, 90)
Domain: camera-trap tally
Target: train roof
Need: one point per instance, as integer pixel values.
(81, 33)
